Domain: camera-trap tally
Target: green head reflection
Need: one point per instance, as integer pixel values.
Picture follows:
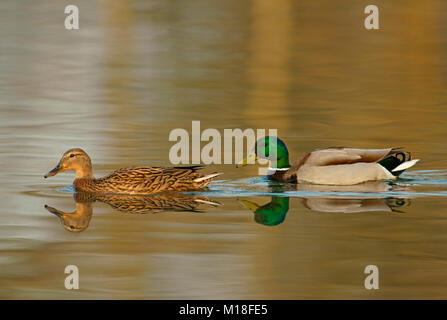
(272, 213)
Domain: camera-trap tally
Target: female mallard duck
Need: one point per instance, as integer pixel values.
(331, 166)
(133, 180)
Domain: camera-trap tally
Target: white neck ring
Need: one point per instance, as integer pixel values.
(279, 169)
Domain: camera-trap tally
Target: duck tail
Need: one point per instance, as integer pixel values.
(208, 177)
(397, 162)
(207, 201)
(404, 166)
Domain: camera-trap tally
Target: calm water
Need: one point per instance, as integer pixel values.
(138, 69)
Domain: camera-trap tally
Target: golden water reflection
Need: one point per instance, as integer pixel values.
(272, 213)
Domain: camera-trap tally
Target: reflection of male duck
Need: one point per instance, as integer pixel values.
(357, 189)
(354, 205)
(78, 220)
(270, 214)
(274, 212)
(369, 196)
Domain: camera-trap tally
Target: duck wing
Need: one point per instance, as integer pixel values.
(338, 155)
(149, 179)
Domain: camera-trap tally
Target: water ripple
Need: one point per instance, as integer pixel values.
(417, 184)
(423, 183)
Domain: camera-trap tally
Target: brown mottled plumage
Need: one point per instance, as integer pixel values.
(133, 180)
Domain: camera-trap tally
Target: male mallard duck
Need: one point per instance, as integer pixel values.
(133, 180)
(331, 166)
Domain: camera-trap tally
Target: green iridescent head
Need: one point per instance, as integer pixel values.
(271, 148)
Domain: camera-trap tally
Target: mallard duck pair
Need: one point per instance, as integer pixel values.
(331, 166)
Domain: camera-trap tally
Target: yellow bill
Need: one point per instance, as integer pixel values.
(251, 159)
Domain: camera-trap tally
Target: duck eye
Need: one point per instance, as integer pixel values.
(72, 155)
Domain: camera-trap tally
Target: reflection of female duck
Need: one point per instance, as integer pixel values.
(78, 220)
(155, 203)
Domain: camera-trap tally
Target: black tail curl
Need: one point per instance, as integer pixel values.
(395, 159)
